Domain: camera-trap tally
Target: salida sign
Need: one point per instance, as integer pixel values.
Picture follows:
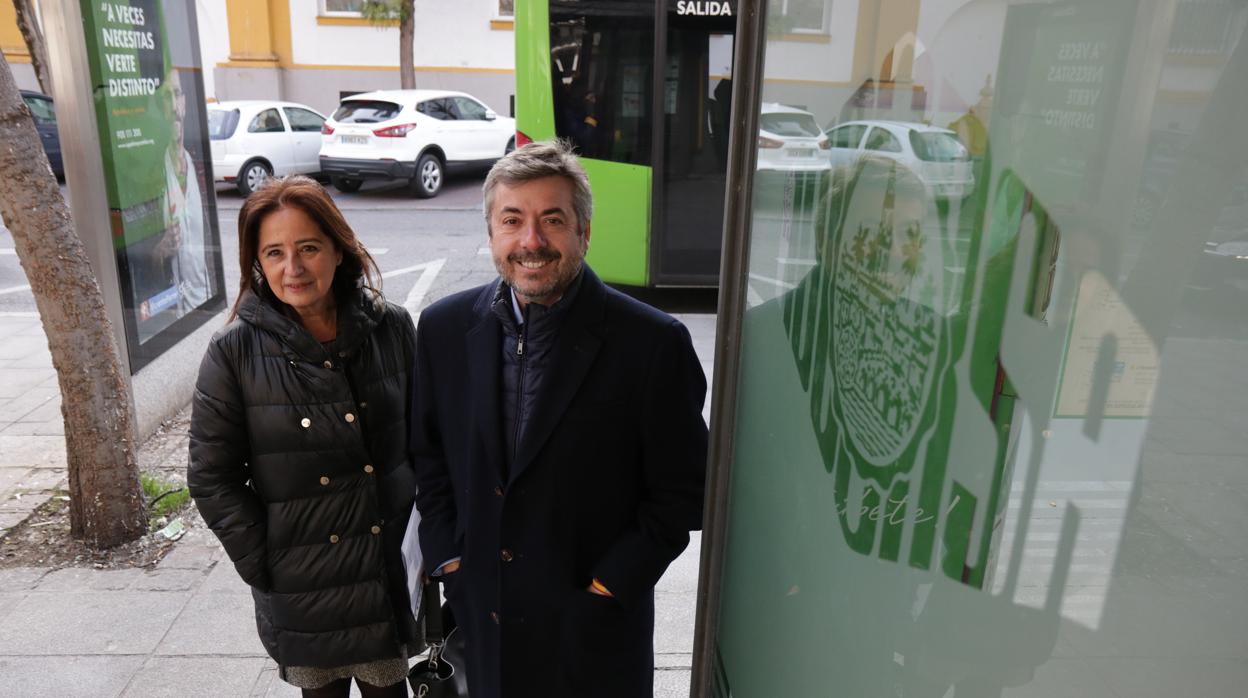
(704, 8)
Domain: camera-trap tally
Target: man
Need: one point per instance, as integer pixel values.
(559, 449)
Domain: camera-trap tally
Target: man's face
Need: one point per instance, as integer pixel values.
(534, 239)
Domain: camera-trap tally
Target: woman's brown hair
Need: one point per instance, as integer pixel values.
(358, 268)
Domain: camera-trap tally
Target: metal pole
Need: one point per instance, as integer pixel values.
(747, 87)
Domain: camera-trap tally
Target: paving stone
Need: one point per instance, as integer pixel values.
(20, 578)
(191, 555)
(66, 677)
(169, 580)
(9, 601)
(97, 622)
(84, 579)
(31, 451)
(177, 677)
(673, 616)
(671, 683)
(214, 624)
(224, 579)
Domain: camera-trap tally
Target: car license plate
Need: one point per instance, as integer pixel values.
(802, 152)
(355, 140)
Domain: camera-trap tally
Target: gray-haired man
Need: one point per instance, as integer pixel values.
(559, 449)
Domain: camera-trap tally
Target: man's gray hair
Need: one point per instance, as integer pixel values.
(535, 161)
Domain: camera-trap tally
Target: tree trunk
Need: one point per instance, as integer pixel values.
(106, 503)
(407, 37)
(28, 24)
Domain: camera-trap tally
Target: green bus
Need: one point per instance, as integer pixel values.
(643, 89)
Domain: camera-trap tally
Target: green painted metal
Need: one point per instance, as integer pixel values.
(535, 105)
(621, 225)
(620, 242)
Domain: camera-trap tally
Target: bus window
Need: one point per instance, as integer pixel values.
(601, 66)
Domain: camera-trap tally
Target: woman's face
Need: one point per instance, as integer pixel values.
(298, 261)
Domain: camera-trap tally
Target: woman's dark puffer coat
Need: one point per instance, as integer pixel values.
(298, 464)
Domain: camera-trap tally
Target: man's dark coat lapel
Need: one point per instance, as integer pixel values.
(485, 346)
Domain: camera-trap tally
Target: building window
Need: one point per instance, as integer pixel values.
(506, 9)
(342, 7)
(799, 16)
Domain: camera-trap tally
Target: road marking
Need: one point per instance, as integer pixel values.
(378, 251)
(483, 250)
(18, 313)
(428, 272)
(13, 289)
(8, 251)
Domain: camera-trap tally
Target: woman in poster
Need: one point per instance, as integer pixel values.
(298, 446)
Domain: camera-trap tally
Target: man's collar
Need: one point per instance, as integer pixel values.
(565, 300)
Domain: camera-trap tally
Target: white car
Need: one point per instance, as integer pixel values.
(253, 140)
(790, 139)
(412, 135)
(935, 154)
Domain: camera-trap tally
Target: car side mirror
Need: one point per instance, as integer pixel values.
(490, 115)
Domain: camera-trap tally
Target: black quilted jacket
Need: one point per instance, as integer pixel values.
(298, 464)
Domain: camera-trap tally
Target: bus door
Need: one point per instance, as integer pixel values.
(693, 87)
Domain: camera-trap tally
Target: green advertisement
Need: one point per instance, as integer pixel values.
(149, 103)
(129, 63)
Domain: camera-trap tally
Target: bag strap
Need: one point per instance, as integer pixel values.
(431, 609)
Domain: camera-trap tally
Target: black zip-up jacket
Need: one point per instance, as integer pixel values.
(298, 465)
(526, 352)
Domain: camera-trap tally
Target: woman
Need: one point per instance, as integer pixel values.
(298, 433)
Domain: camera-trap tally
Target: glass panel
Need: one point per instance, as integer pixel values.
(222, 123)
(990, 425)
(602, 64)
(303, 120)
(470, 109)
(880, 139)
(41, 109)
(344, 6)
(691, 179)
(152, 126)
(267, 121)
(365, 111)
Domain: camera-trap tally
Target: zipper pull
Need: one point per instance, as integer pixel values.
(520, 344)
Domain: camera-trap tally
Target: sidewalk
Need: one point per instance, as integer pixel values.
(186, 627)
(32, 434)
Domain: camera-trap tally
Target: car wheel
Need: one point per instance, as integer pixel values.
(346, 184)
(253, 176)
(429, 175)
(511, 145)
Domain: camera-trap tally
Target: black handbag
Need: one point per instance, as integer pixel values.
(440, 675)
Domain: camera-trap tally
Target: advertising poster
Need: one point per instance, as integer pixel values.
(162, 211)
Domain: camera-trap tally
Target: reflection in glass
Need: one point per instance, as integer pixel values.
(989, 433)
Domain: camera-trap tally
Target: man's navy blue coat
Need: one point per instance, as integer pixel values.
(607, 483)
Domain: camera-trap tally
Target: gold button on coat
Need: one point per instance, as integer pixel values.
(350, 418)
(305, 422)
(376, 530)
(368, 469)
(507, 555)
(334, 538)
(329, 364)
(324, 480)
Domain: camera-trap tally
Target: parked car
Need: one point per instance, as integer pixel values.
(42, 110)
(412, 135)
(253, 140)
(934, 154)
(790, 139)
